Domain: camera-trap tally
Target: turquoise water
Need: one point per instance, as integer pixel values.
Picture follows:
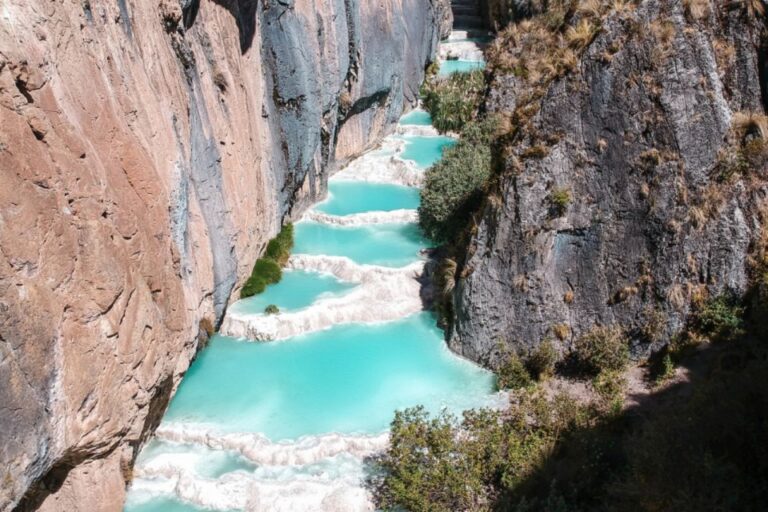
(348, 379)
(416, 118)
(162, 505)
(389, 245)
(425, 151)
(449, 67)
(348, 197)
(298, 289)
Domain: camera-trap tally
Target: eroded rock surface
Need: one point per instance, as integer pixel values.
(631, 139)
(148, 150)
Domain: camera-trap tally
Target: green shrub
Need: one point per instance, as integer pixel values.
(271, 310)
(453, 187)
(720, 319)
(610, 386)
(279, 248)
(253, 286)
(512, 373)
(541, 362)
(443, 465)
(267, 270)
(560, 199)
(602, 349)
(454, 102)
(422, 466)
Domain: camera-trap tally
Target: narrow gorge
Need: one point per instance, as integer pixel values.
(357, 255)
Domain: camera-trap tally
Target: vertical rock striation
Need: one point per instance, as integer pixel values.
(148, 150)
(613, 207)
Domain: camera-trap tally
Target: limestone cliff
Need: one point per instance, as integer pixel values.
(621, 192)
(148, 149)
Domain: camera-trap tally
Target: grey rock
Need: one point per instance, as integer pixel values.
(630, 247)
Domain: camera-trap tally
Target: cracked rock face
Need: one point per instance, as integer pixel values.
(634, 139)
(148, 152)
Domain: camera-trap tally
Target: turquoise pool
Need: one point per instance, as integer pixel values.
(449, 67)
(298, 289)
(416, 118)
(348, 197)
(348, 379)
(389, 245)
(425, 151)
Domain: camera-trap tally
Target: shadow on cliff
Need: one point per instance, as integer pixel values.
(244, 12)
(697, 445)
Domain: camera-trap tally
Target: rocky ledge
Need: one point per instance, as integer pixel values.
(623, 197)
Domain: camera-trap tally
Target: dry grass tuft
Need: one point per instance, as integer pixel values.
(696, 10)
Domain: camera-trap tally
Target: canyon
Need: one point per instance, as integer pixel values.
(149, 150)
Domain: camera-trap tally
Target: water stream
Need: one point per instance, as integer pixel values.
(279, 412)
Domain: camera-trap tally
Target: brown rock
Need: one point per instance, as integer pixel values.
(142, 168)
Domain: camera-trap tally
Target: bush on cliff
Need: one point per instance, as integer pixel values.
(454, 101)
(453, 186)
(512, 373)
(443, 464)
(279, 248)
(267, 270)
(720, 319)
(603, 349)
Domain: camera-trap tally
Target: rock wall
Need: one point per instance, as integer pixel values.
(148, 150)
(635, 136)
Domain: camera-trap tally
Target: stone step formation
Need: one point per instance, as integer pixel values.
(467, 15)
(286, 420)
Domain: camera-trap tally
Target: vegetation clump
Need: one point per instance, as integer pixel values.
(542, 360)
(453, 186)
(720, 319)
(512, 373)
(560, 199)
(443, 464)
(454, 101)
(603, 348)
(702, 442)
(271, 310)
(267, 270)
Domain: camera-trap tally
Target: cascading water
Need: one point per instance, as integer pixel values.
(280, 411)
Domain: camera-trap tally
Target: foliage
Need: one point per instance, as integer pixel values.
(541, 361)
(442, 464)
(560, 199)
(609, 386)
(271, 310)
(604, 348)
(279, 248)
(267, 269)
(720, 319)
(512, 373)
(453, 186)
(696, 445)
(454, 102)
